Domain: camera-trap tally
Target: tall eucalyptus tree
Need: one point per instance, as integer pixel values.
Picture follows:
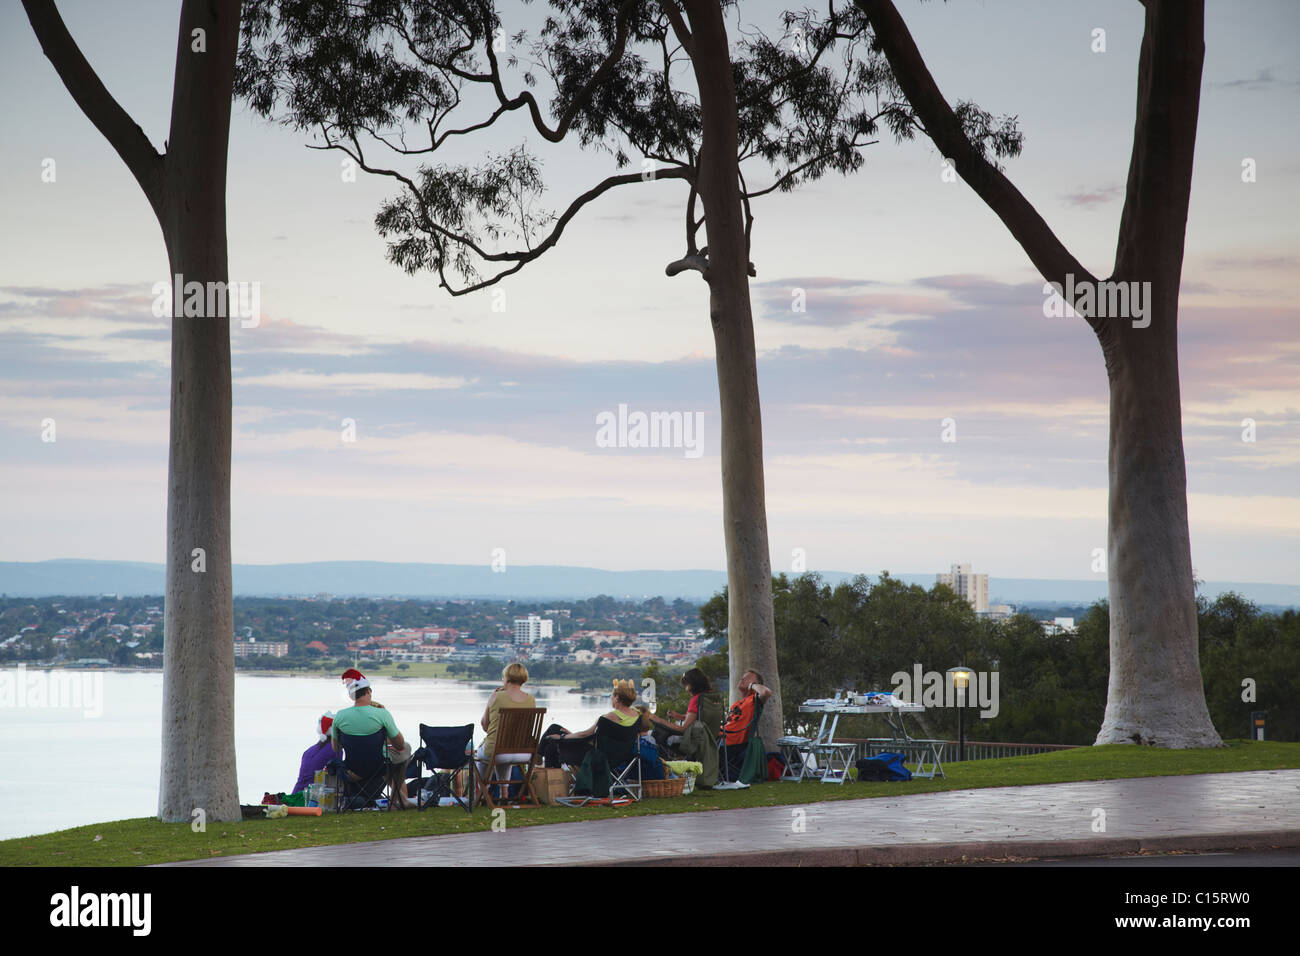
(1156, 694)
(186, 188)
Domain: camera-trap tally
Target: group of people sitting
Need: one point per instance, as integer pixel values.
(690, 736)
(367, 716)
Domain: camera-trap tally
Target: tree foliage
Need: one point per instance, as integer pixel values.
(403, 77)
(1052, 688)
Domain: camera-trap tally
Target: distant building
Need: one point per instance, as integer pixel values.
(254, 648)
(1059, 625)
(599, 637)
(531, 629)
(973, 587)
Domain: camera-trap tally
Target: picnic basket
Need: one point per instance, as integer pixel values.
(671, 787)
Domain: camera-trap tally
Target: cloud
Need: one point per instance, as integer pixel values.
(309, 381)
(1100, 196)
(1263, 80)
(1028, 393)
(1287, 264)
(116, 303)
(815, 282)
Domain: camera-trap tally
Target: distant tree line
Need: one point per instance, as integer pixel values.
(1051, 688)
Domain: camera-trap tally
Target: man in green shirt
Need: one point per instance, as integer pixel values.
(365, 717)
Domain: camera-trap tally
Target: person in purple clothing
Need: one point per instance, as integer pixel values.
(316, 756)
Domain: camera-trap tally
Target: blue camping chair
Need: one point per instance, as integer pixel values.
(446, 752)
(362, 770)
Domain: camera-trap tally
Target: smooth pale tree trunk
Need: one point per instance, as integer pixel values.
(751, 635)
(1156, 695)
(198, 756)
(187, 189)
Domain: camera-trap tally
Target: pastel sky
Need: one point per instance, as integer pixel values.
(475, 429)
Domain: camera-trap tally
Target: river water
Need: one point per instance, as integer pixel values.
(80, 747)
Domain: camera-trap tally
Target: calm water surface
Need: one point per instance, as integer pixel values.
(64, 768)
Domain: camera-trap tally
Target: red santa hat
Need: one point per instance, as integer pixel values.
(323, 725)
(352, 674)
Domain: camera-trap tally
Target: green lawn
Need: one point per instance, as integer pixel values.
(133, 842)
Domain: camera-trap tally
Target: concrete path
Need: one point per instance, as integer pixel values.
(1206, 811)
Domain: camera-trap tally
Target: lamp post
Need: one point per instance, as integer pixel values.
(960, 678)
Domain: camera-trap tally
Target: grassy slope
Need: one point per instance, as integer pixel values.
(146, 840)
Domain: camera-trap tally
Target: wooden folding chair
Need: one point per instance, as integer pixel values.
(519, 731)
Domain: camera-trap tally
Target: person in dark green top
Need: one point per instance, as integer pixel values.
(698, 729)
(364, 718)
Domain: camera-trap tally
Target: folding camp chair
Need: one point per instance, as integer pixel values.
(731, 757)
(362, 770)
(620, 745)
(519, 732)
(446, 752)
(615, 754)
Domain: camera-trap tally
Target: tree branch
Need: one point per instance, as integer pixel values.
(116, 125)
(698, 261)
(795, 171)
(669, 8)
(1168, 106)
(526, 98)
(520, 258)
(1027, 227)
(692, 227)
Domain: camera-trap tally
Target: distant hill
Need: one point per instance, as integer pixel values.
(539, 582)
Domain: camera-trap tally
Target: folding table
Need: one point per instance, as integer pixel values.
(820, 757)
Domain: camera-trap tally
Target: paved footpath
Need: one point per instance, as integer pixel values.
(1200, 812)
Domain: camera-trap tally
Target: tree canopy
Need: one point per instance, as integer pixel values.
(1052, 688)
(400, 78)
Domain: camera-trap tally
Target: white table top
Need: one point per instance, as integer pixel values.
(847, 707)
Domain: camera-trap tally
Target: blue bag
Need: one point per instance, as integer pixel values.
(883, 766)
(652, 768)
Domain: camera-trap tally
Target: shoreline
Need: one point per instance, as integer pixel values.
(276, 673)
(263, 672)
